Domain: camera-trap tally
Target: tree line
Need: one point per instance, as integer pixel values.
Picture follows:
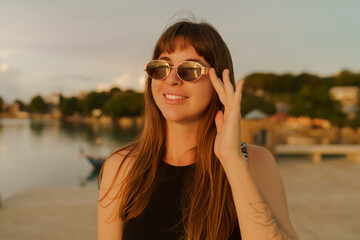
(304, 94)
(114, 103)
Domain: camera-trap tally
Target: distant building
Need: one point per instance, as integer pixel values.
(257, 129)
(14, 111)
(3, 107)
(82, 95)
(53, 102)
(349, 97)
(256, 114)
(53, 99)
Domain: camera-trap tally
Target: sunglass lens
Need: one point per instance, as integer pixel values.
(189, 71)
(157, 69)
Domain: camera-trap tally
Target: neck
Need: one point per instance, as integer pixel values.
(181, 143)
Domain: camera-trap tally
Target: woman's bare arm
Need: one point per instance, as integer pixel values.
(259, 197)
(257, 188)
(110, 225)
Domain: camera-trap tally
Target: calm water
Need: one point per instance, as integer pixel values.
(46, 153)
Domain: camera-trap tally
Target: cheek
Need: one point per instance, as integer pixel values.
(205, 95)
(155, 90)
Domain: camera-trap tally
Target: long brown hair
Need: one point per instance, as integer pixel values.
(208, 210)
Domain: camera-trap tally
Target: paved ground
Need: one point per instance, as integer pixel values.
(324, 202)
(50, 214)
(324, 199)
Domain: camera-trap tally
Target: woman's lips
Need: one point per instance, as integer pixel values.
(173, 98)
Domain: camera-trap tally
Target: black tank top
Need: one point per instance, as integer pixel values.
(159, 220)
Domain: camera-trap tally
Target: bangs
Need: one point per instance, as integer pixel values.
(169, 45)
(185, 35)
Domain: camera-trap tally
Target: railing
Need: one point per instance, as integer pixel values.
(352, 152)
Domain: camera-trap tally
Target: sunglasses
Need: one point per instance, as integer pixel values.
(187, 71)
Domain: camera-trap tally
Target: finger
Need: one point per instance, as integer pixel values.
(238, 92)
(218, 85)
(229, 89)
(219, 121)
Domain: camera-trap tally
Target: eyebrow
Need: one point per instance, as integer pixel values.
(189, 59)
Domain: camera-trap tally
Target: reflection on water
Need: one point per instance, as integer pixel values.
(91, 178)
(46, 153)
(37, 127)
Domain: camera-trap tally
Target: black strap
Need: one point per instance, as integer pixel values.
(244, 150)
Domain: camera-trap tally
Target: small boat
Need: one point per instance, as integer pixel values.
(96, 162)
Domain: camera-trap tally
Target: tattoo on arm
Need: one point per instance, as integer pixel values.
(264, 216)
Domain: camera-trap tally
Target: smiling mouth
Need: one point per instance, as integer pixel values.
(174, 97)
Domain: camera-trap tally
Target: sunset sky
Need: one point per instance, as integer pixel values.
(81, 45)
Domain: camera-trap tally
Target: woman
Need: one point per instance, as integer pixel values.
(187, 175)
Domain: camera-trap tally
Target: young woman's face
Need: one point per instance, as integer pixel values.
(179, 101)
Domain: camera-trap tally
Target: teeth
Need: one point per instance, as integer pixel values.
(174, 97)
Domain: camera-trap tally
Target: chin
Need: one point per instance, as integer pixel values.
(174, 117)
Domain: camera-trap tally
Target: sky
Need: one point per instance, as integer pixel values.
(71, 46)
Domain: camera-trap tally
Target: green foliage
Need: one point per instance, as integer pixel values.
(22, 105)
(68, 106)
(250, 102)
(115, 91)
(355, 123)
(347, 78)
(38, 105)
(263, 81)
(128, 103)
(306, 94)
(1, 103)
(94, 100)
(315, 102)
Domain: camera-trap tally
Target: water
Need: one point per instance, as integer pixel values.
(46, 153)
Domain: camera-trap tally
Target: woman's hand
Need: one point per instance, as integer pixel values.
(227, 145)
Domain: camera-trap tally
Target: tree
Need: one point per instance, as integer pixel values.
(1, 103)
(315, 102)
(38, 105)
(68, 106)
(115, 91)
(347, 78)
(94, 100)
(128, 103)
(355, 123)
(22, 105)
(260, 81)
(250, 102)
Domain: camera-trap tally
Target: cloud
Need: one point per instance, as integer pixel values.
(71, 78)
(141, 82)
(124, 82)
(4, 67)
(9, 87)
(9, 52)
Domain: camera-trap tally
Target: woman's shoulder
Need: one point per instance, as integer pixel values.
(258, 153)
(261, 161)
(262, 166)
(116, 166)
(117, 157)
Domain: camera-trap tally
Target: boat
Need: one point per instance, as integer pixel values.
(96, 162)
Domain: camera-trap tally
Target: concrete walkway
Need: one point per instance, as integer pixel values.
(324, 199)
(324, 203)
(50, 213)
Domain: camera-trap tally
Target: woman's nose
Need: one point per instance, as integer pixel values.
(173, 78)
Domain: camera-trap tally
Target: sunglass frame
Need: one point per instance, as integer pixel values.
(203, 69)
